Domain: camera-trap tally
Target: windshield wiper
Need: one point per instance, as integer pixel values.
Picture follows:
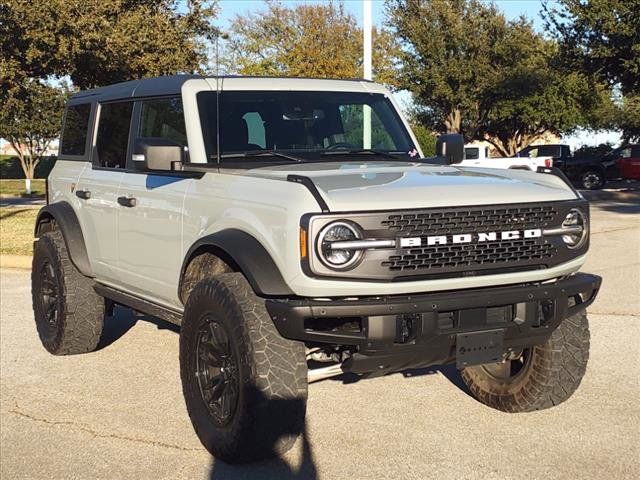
(261, 153)
(360, 152)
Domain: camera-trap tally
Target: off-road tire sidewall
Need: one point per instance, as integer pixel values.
(80, 309)
(272, 372)
(554, 373)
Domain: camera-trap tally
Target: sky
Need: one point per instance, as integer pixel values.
(511, 8)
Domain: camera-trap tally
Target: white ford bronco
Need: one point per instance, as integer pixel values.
(291, 223)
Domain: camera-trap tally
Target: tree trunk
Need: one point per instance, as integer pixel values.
(453, 121)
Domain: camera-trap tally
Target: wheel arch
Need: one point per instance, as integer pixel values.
(62, 216)
(233, 250)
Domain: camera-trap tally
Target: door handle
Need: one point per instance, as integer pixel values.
(83, 194)
(127, 201)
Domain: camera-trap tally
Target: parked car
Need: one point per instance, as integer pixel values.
(590, 173)
(628, 161)
(478, 156)
(256, 214)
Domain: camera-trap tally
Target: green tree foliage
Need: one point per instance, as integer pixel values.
(598, 152)
(426, 139)
(30, 120)
(101, 42)
(451, 51)
(472, 71)
(602, 38)
(305, 40)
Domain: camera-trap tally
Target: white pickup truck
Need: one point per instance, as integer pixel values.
(476, 155)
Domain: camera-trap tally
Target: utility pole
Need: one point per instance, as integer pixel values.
(368, 70)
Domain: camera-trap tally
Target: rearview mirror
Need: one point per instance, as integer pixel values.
(450, 146)
(157, 154)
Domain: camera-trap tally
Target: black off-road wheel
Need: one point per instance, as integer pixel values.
(244, 385)
(69, 314)
(592, 180)
(541, 377)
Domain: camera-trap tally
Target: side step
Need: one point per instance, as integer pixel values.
(139, 304)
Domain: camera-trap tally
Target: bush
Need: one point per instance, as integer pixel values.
(10, 167)
(426, 139)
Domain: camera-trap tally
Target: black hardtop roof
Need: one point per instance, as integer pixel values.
(155, 86)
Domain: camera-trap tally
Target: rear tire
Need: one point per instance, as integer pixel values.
(69, 314)
(549, 374)
(592, 180)
(244, 385)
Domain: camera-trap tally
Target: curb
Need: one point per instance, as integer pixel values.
(22, 262)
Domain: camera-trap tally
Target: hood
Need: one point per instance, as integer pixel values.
(362, 186)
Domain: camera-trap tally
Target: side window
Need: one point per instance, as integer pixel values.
(472, 153)
(163, 118)
(76, 124)
(625, 152)
(113, 134)
(635, 151)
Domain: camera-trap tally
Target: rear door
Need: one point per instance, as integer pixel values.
(98, 186)
(150, 227)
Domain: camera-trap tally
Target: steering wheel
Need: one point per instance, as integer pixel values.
(341, 146)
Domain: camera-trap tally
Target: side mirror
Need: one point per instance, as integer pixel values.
(451, 147)
(157, 154)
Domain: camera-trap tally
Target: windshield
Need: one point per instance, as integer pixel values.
(280, 127)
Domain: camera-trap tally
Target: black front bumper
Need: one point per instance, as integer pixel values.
(396, 332)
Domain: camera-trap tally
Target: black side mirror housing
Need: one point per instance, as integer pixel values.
(450, 146)
(157, 154)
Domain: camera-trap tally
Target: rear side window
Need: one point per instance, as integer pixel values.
(471, 153)
(113, 134)
(635, 151)
(163, 118)
(76, 124)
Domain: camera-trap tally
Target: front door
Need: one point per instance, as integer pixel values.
(150, 217)
(98, 186)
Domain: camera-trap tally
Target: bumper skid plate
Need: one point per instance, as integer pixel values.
(468, 327)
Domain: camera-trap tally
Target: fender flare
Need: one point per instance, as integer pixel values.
(67, 221)
(251, 258)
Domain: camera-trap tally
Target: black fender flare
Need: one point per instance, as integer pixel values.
(250, 257)
(67, 222)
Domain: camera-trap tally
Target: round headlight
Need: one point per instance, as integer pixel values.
(338, 258)
(577, 229)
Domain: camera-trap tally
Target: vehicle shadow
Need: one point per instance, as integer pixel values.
(450, 372)
(276, 468)
(123, 320)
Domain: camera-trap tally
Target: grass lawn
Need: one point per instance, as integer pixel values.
(16, 230)
(15, 187)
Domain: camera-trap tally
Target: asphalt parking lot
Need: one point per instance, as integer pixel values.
(119, 412)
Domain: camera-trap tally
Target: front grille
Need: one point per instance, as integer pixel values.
(455, 258)
(477, 219)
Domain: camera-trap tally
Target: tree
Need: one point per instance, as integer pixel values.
(537, 98)
(29, 120)
(473, 72)
(601, 38)
(305, 40)
(450, 57)
(98, 43)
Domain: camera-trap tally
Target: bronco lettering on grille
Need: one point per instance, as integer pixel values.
(471, 237)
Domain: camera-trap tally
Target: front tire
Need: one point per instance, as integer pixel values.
(69, 314)
(544, 376)
(244, 385)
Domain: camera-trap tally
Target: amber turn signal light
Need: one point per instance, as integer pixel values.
(303, 243)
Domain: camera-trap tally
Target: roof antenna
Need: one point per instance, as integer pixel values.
(218, 34)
